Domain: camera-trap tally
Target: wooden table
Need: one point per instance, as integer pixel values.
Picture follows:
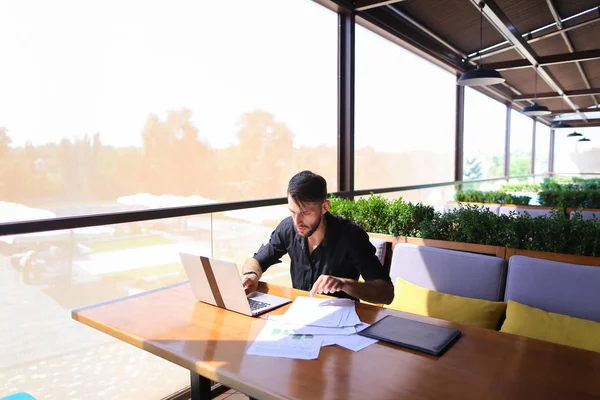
(211, 343)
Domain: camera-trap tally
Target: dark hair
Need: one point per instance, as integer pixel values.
(307, 187)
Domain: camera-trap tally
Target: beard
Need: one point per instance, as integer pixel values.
(311, 229)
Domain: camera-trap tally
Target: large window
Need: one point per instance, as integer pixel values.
(219, 99)
(405, 116)
(573, 156)
(542, 147)
(113, 106)
(484, 133)
(521, 134)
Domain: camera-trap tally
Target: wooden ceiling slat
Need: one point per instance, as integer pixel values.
(568, 76)
(526, 15)
(552, 59)
(552, 45)
(586, 38)
(571, 7)
(455, 20)
(457, 23)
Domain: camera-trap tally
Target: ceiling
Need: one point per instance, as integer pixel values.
(561, 37)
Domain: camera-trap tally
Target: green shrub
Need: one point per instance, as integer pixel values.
(406, 218)
(570, 184)
(376, 214)
(342, 207)
(521, 187)
(593, 198)
(589, 198)
(470, 224)
(474, 224)
(372, 214)
(584, 236)
(477, 196)
(540, 233)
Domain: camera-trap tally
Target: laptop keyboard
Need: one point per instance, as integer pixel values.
(256, 305)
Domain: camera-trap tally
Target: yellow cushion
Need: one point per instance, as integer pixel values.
(414, 299)
(557, 328)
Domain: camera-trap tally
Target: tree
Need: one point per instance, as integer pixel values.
(264, 161)
(5, 142)
(473, 169)
(520, 164)
(497, 167)
(177, 161)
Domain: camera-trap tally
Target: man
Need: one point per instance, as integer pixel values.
(328, 253)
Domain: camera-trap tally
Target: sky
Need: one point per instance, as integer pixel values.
(73, 67)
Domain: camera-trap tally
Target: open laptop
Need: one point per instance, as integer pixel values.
(218, 282)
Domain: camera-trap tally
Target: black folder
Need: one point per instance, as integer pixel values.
(429, 338)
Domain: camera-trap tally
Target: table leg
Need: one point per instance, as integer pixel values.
(200, 387)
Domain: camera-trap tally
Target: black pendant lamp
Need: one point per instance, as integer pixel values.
(535, 110)
(574, 134)
(480, 76)
(584, 140)
(559, 125)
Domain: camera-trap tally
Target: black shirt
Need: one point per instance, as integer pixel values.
(345, 252)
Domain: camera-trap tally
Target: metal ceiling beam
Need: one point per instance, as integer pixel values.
(583, 110)
(552, 95)
(565, 37)
(530, 40)
(584, 124)
(496, 16)
(454, 49)
(572, 57)
(361, 5)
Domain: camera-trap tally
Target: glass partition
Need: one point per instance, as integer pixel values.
(43, 276)
(521, 134)
(572, 156)
(109, 107)
(484, 136)
(238, 234)
(398, 129)
(542, 147)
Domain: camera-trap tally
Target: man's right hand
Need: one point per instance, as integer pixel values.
(250, 283)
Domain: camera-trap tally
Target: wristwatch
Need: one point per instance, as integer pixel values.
(251, 272)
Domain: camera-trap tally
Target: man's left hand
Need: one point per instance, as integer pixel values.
(326, 284)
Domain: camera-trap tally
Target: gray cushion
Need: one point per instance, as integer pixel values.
(380, 247)
(521, 211)
(554, 286)
(587, 214)
(452, 206)
(449, 271)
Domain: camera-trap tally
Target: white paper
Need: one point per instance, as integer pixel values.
(311, 330)
(308, 325)
(352, 342)
(322, 312)
(355, 342)
(273, 341)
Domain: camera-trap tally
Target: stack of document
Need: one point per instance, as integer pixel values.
(309, 324)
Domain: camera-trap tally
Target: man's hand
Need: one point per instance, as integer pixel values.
(326, 284)
(250, 283)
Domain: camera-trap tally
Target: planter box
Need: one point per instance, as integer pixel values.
(594, 210)
(497, 251)
(515, 206)
(475, 204)
(567, 258)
